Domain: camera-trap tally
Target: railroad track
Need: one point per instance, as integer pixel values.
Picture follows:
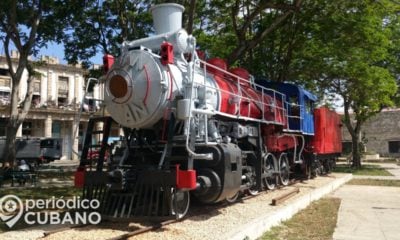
(144, 230)
(196, 210)
(152, 227)
(47, 233)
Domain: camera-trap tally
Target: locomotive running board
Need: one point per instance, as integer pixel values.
(148, 198)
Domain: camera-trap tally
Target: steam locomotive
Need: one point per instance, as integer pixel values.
(195, 129)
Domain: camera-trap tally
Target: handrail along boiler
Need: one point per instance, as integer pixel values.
(194, 128)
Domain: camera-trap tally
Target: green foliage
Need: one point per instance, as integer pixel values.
(348, 50)
(53, 17)
(238, 31)
(347, 43)
(101, 26)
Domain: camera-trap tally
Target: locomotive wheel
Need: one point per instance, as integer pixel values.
(327, 166)
(268, 167)
(284, 170)
(233, 198)
(332, 164)
(310, 169)
(180, 202)
(252, 191)
(320, 169)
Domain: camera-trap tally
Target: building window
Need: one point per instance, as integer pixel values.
(36, 101)
(27, 129)
(4, 86)
(3, 126)
(56, 129)
(36, 86)
(394, 146)
(4, 81)
(4, 72)
(81, 134)
(4, 97)
(62, 91)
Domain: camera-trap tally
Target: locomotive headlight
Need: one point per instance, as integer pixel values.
(118, 86)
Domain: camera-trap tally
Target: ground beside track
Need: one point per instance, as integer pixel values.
(370, 212)
(316, 222)
(206, 222)
(236, 221)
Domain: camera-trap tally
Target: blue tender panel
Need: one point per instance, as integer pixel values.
(299, 103)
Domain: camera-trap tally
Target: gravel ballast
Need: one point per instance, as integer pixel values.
(246, 218)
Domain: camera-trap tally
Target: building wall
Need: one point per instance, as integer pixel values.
(48, 117)
(379, 131)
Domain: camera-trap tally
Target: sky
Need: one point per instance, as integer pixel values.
(57, 50)
(53, 49)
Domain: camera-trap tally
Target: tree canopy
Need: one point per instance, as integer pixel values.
(349, 49)
(101, 26)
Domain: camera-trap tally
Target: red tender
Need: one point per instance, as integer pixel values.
(328, 135)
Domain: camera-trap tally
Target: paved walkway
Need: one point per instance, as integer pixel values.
(369, 212)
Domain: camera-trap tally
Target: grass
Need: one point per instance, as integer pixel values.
(375, 182)
(37, 193)
(52, 174)
(316, 222)
(369, 170)
(41, 193)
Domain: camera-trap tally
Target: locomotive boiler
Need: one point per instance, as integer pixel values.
(195, 128)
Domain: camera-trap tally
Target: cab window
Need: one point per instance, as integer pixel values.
(309, 106)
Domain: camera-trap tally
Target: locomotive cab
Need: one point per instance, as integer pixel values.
(300, 105)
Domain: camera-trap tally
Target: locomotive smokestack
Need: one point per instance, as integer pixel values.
(167, 17)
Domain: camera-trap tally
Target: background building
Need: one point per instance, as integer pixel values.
(57, 97)
(380, 134)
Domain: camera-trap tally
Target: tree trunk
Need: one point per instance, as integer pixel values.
(356, 150)
(24, 44)
(191, 12)
(10, 149)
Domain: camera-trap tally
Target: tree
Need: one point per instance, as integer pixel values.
(237, 29)
(27, 25)
(101, 26)
(348, 51)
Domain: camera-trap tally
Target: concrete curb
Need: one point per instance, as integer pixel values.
(257, 227)
(376, 177)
